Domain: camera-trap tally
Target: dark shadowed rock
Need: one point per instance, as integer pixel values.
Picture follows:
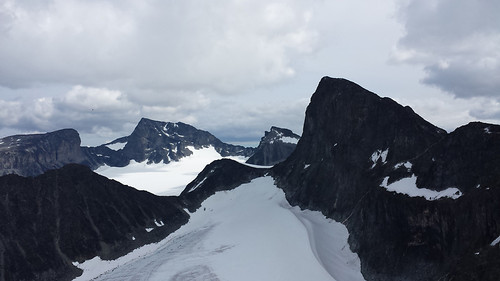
(73, 214)
(353, 140)
(29, 155)
(274, 147)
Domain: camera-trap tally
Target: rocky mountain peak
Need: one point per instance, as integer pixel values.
(274, 147)
(276, 134)
(399, 184)
(157, 141)
(350, 122)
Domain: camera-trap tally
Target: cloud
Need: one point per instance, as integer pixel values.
(159, 45)
(82, 108)
(456, 42)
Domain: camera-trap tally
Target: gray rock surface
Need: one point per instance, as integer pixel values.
(29, 155)
(274, 147)
(157, 141)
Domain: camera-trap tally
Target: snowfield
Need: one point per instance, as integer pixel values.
(250, 233)
(164, 179)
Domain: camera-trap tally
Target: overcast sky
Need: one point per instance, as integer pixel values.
(236, 67)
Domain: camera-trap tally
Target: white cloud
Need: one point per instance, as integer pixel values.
(10, 113)
(236, 67)
(189, 45)
(94, 100)
(456, 42)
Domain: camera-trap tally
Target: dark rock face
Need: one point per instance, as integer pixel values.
(274, 147)
(220, 175)
(467, 158)
(353, 140)
(29, 155)
(157, 141)
(72, 214)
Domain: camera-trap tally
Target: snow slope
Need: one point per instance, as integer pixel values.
(250, 233)
(164, 179)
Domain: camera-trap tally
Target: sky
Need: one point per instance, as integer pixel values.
(237, 67)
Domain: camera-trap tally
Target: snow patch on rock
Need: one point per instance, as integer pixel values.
(496, 241)
(379, 154)
(116, 146)
(408, 186)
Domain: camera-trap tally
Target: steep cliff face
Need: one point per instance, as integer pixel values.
(415, 199)
(72, 214)
(349, 134)
(274, 147)
(29, 155)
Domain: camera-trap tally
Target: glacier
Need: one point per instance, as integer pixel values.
(249, 233)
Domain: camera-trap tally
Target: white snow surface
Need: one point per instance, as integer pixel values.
(406, 164)
(116, 146)
(379, 154)
(164, 179)
(408, 186)
(289, 140)
(496, 241)
(250, 233)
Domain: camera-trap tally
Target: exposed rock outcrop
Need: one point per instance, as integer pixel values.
(29, 155)
(274, 147)
(157, 141)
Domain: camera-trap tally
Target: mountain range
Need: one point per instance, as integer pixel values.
(373, 190)
(151, 141)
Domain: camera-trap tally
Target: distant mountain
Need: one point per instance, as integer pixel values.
(274, 147)
(151, 141)
(71, 215)
(160, 142)
(29, 155)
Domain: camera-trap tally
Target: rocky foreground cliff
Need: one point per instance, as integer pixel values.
(419, 204)
(71, 215)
